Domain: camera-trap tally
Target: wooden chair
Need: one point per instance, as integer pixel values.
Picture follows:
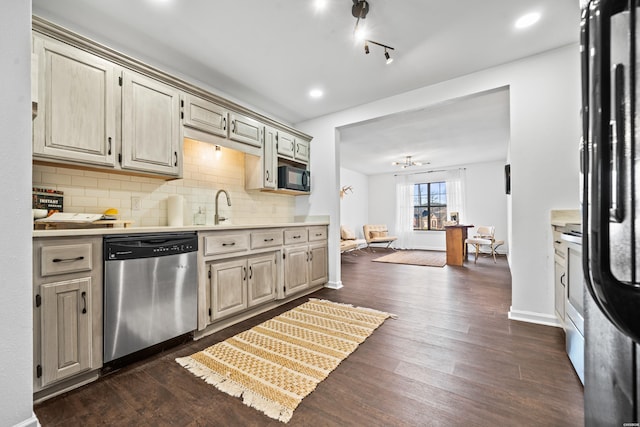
(484, 237)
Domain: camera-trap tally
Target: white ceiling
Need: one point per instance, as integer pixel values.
(269, 54)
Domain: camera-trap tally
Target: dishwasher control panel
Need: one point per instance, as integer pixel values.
(148, 246)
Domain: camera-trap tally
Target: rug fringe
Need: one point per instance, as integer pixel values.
(365, 309)
(224, 384)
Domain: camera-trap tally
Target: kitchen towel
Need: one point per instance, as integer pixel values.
(175, 213)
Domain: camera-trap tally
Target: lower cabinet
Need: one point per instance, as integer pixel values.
(241, 283)
(304, 266)
(67, 310)
(65, 329)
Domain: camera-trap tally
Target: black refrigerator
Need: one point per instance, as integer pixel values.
(610, 207)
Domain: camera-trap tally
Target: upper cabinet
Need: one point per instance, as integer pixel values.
(204, 116)
(97, 108)
(246, 130)
(77, 112)
(151, 134)
(293, 148)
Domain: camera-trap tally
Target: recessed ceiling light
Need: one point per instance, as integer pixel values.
(316, 93)
(320, 5)
(527, 20)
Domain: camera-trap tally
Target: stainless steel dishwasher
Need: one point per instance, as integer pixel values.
(150, 290)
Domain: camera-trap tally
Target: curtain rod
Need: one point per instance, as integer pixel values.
(431, 171)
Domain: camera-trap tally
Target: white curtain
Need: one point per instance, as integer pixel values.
(455, 182)
(404, 213)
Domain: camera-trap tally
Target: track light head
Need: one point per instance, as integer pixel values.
(388, 57)
(366, 48)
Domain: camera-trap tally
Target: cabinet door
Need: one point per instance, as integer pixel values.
(204, 115)
(296, 269)
(151, 139)
(269, 158)
(77, 117)
(286, 144)
(65, 329)
(246, 130)
(302, 150)
(318, 269)
(228, 288)
(262, 279)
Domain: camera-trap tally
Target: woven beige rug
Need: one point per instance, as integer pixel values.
(428, 258)
(274, 365)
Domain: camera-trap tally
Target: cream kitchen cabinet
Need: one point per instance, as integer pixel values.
(261, 171)
(67, 314)
(65, 329)
(246, 130)
(293, 148)
(305, 265)
(204, 116)
(77, 112)
(242, 283)
(151, 131)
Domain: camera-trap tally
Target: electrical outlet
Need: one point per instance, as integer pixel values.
(135, 203)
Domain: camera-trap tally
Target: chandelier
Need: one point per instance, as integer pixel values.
(407, 163)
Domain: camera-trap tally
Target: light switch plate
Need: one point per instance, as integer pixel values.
(135, 203)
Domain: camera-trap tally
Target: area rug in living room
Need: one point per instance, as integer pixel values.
(274, 365)
(427, 258)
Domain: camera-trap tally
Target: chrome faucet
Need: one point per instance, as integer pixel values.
(217, 218)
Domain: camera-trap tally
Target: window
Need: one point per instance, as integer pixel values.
(429, 206)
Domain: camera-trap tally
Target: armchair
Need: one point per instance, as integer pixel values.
(377, 233)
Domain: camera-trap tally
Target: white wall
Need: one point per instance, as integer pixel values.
(354, 206)
(16, 331)
(545, 129)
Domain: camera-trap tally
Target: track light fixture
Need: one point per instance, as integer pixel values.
(359, 10)
(386, 49)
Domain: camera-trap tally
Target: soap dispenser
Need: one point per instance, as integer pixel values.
(199, 218)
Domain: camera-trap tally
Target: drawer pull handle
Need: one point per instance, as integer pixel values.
(269, 240)
(80, 258)
(297, 237)
(84, 300)
(318, 234)
(229, 244)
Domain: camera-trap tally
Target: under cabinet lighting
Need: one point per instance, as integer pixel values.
(218, 151)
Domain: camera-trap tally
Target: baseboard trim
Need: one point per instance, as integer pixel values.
(334, 285)
(29, 422)
(533, 317)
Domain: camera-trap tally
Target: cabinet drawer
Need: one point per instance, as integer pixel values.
(317, 233)
(226, 243)
(265, 239)
(297, 235)
(66, 259)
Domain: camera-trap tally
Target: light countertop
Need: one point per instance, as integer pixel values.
(167, 229)
(562, 217)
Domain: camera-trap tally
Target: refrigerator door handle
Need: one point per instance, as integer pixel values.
(616, 146)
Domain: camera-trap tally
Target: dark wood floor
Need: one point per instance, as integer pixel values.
(451, 358)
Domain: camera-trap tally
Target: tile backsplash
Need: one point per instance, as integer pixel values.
(204, 174)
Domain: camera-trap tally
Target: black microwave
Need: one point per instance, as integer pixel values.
(293, 178)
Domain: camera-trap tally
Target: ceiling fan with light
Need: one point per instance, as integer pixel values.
(408, 163)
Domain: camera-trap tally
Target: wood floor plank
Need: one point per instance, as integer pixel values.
(452, 357)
